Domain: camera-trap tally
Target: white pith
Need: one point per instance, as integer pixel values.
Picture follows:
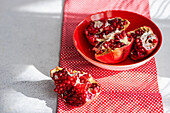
(98, 24)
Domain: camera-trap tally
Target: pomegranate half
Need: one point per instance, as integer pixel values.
(75, 88)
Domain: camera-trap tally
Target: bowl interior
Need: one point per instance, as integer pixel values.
(136, 21)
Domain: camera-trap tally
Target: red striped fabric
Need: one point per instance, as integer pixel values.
(134, 90)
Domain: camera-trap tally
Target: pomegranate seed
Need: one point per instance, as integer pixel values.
(106, 32)
(101, 36)
(92, 39)
(129, 39)
(106, 28)
(137, 40)
(114, 24)
(56, 89)
(118, 26)
(133, 35)
(117, 36)
(121, 36)
(121, 27)
(137, 33)
(86, 32)
(105, 45)
(60, 74)
(112, 28)
(64, 97)
(154, 41)
(138, 43)
(101, 51)
(111, 41)
(142, 50)
(59, 81)
(125, 22)
(72, 83)
(123, 33)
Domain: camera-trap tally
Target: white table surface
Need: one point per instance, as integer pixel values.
(30, 32)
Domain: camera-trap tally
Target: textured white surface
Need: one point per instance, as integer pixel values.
(30, 32)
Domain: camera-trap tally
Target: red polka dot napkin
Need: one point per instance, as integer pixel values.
(134, 90)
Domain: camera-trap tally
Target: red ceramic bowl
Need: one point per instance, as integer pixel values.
(136, 21)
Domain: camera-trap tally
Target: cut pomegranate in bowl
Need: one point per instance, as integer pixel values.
(96, 30)
(85, 48)
(115, 49)
(145, 41)
(75, 88)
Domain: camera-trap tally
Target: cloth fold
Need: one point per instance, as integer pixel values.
(134, 90)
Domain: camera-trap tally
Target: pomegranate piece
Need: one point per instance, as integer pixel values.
(115, 49)
(145, 41)
(97, 29)
(75, 88)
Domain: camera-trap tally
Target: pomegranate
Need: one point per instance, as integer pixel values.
(145, 41)
(75, 88)
(115, 48)
(96, 30)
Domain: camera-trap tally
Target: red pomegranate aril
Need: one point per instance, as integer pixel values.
(86, 32)
(123, 33)
(106, 28)
(133, 35)
(114, 24)
(105, 45)
(112, 28)
(137, 40)
(107, 32)
(118, 46)
(117, 36)
(137, 33)
(121, 27)
(121, 36)
(154, 41)
(111, 41)
(100, 51)
(125, 22)
(118, 27)
(142, 50)
(129, 39)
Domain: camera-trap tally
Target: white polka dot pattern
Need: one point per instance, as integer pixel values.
(134, 90)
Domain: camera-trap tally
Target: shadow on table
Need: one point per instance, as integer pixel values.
(30, 38)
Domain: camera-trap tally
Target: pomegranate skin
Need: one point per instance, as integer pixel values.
(115, 56)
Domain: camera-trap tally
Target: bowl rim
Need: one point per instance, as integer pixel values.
(116, 65)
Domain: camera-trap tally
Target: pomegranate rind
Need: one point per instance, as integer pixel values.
(115, 56)
(91, 80)
(149, 51)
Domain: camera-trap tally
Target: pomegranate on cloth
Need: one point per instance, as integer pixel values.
(75, 88)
